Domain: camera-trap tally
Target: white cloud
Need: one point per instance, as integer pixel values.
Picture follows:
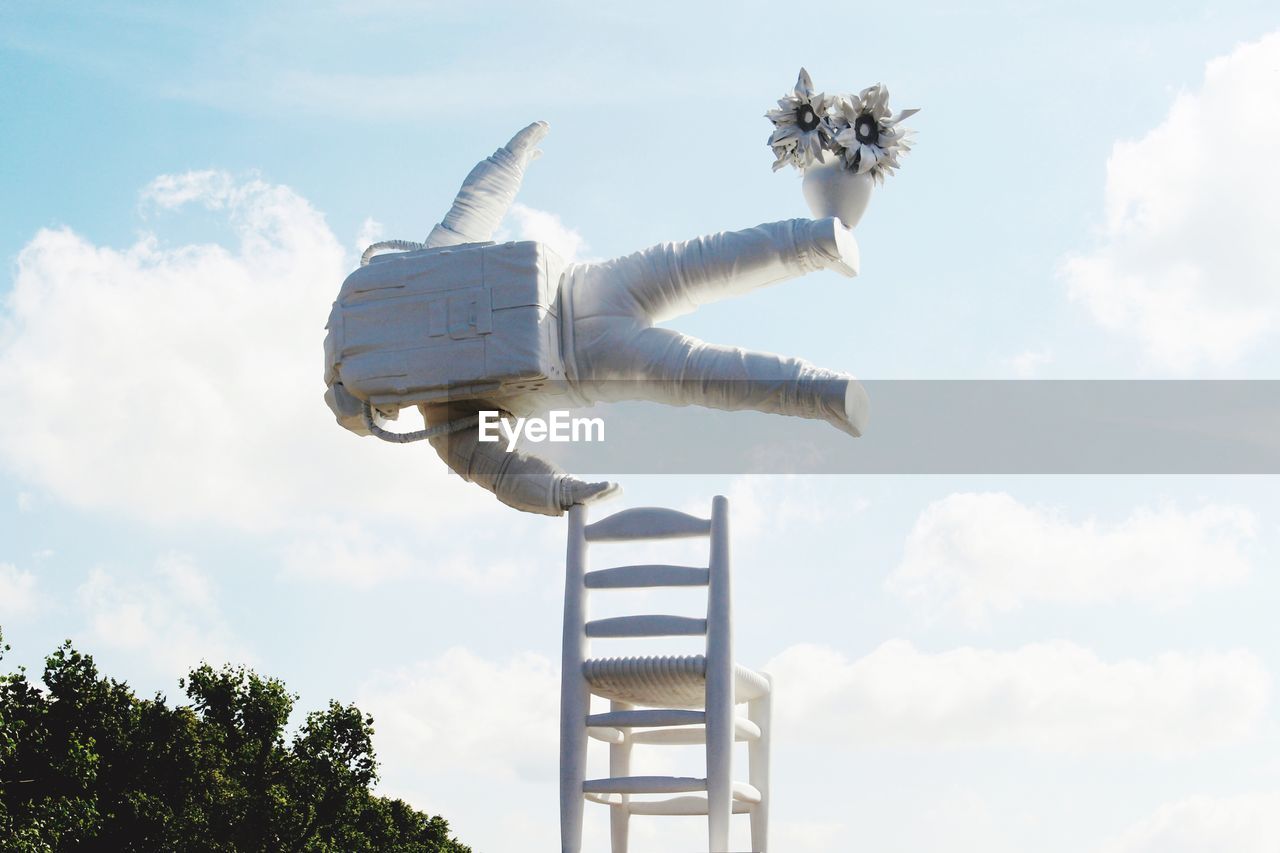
(183, 383)
(812, 836)
(462, 713)
(374, 97)
(1052, 697)
(983, 553)
(783, 505)
(1027, 364)
(214, 189)
(371, 231)
(168, 619)
(19, 597)
(491, 558)
(345, 551)
(1188, 261)
(529, 223)
(1248, 823)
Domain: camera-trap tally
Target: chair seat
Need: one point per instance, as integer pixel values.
(664, 682)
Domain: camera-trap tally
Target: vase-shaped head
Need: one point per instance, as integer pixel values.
(830, 189)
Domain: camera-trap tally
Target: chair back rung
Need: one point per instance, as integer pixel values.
(650, 625)
(647, 523)
(635, 577)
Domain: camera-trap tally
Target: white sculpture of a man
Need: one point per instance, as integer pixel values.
(608, 312)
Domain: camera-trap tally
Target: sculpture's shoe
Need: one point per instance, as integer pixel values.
(837, 246)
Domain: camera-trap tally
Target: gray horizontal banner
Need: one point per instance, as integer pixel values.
(945, 427)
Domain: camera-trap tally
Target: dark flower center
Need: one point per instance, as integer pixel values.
(806, 118)
(866, 130)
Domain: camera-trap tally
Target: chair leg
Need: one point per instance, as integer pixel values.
(720, 733)
(620, 765)
(575, 694)
(575, 705)
(760, 712)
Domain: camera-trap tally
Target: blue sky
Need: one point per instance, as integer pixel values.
(182, 190)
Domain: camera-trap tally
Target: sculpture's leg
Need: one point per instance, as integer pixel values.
(676, 369)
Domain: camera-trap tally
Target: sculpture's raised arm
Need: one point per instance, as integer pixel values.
(488, 191)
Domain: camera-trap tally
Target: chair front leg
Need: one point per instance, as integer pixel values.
(620, 765)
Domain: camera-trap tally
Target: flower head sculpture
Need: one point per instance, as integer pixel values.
(859, 129)
(868, 133)
(802, 126)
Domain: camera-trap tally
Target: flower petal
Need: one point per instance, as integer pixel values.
(804, 84)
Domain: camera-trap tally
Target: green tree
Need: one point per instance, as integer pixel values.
(87, 765)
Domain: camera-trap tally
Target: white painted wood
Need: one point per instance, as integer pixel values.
(635, 577)
(760, 712)
(720, 699)
(649, 625)
(711, 685)
(575, 698)
(647, 523)
(743, 730)
(605, 733)
(620, 767)
(644, 785)
(648, 717)
(686, 805)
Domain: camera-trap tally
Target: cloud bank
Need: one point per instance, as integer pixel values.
(1247, 823)
(1187, 261)
(169, 618)
(979, 554)
(1052, 697)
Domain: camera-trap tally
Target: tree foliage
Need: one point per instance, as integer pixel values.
(86, 765)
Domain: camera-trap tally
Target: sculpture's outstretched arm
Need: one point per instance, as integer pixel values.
(488, 191)
(518, 479)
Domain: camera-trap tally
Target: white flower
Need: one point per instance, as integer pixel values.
(802, 127)
(869, 133)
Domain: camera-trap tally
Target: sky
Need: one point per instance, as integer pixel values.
(982, 663)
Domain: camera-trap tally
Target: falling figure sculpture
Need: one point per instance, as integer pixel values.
(599, 332)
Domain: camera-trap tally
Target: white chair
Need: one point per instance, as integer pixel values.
(659, 700)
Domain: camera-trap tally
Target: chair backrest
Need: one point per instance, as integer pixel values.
(640, 524)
